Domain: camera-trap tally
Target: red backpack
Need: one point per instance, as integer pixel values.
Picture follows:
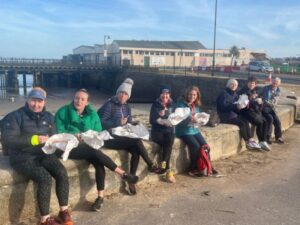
(203, 162)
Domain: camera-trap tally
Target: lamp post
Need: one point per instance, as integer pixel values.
(104, 48)
(214, 50)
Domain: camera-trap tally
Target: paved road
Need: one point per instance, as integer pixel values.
(260, 188)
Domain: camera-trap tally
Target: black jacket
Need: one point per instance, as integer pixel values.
(19, 126)
(154, 115)
(225, 107)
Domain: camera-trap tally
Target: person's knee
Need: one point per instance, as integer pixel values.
(45, 180)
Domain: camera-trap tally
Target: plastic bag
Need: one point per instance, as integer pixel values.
(176, 117)
(243, 101)
(95, 139)
(64, 142)
(132, 131)
(202, 118)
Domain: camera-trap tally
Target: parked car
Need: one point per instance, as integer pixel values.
(260, 66)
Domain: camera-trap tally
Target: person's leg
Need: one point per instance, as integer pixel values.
(34, 171)
(194, 147)
(52, 164)
(167, 148)
(277, 125)
(85, 152)
(244, 127)
(269, 119)
(119, 143)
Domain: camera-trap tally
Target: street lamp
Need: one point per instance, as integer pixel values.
(214, 50)
(104, 48)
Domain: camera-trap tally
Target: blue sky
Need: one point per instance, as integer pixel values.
(51, 29)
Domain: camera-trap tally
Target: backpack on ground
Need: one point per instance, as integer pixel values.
(203, 162)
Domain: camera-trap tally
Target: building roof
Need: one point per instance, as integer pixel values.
(191, 45)
(259, 56)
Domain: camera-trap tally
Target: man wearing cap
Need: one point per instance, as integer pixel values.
(24, 133)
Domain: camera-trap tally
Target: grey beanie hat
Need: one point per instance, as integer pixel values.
(126, 86)
(231, 81)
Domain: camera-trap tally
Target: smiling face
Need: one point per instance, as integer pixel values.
(36, 105)
(233, 86)
(192, 96)
(122, 97)
(251, 85)
(81, 100)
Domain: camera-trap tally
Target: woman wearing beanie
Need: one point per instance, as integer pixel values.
(78, 117)
(116, 112)
(189, 132)
(162, 134)
(228, 112)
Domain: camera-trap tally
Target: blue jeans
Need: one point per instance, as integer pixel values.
(194, 143)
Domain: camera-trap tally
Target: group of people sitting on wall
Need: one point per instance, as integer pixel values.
(26, 130)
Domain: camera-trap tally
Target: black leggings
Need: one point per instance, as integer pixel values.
(134, 146)
(41, 171)
(258, 120)
(165, 140)
(97, 158)
(243, 124)
(194, 143)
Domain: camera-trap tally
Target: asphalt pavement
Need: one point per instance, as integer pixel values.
(257, 188)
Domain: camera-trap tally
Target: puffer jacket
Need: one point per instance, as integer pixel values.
(154, 115)
(112, 112)
(18, 128)
(68, 121)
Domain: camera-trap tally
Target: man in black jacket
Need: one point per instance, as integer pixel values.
(24, 132)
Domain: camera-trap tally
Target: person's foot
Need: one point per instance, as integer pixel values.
(133, 179)
(131, 189)
(170, 177)
(251, 145)
(65, 217)
(50, 221)
(96, 206)
(195, 173)
(264, 145)
(153, 168)
(280, 140)
(162, 169)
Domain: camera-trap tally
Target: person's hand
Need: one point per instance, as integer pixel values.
(193, 119)
(239, 106)
(42, 139)
(259, 101)
(78, 136)
(124, 120)
(162, 112)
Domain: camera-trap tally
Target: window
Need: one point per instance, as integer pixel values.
(125, 52)
(151, 53)
(172, 53)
